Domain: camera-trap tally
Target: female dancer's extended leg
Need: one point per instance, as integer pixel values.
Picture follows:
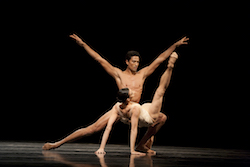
(156, 104)
(155, 107)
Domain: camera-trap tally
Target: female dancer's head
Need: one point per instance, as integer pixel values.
(124, 95)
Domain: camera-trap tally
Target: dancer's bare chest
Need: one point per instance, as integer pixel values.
(134, 82)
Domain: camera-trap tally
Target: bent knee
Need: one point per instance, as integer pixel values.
(163, 118)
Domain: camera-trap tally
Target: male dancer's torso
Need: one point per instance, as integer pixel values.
(132, 81)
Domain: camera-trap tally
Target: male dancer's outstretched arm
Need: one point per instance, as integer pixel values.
(111, 70)
(163, 56)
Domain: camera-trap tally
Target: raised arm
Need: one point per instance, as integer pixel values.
(111, 70)
(162, 57)
(106, 133)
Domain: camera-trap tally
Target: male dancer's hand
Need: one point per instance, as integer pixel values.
(77, 39)
(183, 41)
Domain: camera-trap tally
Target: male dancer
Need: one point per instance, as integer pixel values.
(129, 78)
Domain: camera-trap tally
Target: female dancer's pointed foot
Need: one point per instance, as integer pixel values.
(172, 60)
(49, 146)
(174, 54)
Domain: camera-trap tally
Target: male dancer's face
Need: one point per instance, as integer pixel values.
(133, 63)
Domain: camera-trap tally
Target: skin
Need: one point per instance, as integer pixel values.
(132, 111)
(130, 78)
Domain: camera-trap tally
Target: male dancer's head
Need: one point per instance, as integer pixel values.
(132, 60)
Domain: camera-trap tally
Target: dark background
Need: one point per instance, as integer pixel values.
(51, 86)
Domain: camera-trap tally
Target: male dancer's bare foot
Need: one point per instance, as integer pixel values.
(151, 152)
(49, 146)
(145, 149)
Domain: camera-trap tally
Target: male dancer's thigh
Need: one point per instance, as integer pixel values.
(101, 122)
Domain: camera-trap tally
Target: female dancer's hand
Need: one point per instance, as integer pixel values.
(137, 153)
(100, 151)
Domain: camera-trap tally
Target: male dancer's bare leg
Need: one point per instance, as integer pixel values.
(146, 141)
(95, 127)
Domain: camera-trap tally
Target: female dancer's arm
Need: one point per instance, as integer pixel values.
(134, 126)
(105, 136)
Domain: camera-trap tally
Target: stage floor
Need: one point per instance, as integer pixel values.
(82, 155)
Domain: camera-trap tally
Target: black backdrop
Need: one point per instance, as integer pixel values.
(52, 86)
